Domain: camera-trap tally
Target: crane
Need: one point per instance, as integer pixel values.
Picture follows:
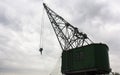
(80, 55)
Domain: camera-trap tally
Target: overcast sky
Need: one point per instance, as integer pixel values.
(20, 24)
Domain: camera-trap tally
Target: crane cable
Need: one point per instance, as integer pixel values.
(41, 31)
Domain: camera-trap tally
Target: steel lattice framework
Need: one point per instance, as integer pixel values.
(68, 36)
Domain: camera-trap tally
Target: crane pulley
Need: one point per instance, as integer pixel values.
(68, 36)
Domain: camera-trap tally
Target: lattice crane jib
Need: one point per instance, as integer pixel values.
(68, 36)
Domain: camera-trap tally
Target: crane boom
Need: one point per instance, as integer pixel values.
(68, 36)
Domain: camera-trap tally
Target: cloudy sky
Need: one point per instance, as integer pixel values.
(20, 24)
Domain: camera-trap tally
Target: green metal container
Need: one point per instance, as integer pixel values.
(89, 58)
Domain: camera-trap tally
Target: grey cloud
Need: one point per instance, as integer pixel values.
(19, 49)
(3, 18)
(7, 19)
(92, 10)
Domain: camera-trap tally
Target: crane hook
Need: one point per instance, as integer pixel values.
(41, 49)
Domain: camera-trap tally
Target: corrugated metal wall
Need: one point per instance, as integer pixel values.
(86, 58)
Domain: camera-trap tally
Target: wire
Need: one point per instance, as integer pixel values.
(42, 29)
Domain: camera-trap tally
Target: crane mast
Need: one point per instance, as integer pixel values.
(68, 36)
